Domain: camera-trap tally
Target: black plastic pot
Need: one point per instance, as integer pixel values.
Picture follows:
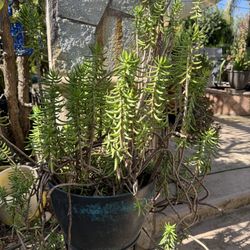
(101, 223)
(238, 79)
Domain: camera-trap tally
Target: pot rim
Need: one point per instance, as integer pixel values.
(8, 168)
(123, 195)
(238, 71)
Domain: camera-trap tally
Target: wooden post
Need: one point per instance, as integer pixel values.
(23, 92)
(11, 78)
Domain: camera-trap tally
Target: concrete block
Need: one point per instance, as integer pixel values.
(88, 11)
(124, 5)
(72, 44)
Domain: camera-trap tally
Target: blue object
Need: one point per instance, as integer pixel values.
(17, 32)
(24, 52)
(10, 10)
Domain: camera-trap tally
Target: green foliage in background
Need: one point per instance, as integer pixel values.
(218, 31)
(31, 14)
(240, 57)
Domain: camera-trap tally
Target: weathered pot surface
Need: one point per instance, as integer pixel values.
(105, 222)
(239, 79)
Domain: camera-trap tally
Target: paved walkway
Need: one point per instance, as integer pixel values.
(226, 232)
(235, 142)
(228, 190)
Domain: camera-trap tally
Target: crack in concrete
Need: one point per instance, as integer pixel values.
(119, 13)
(77, 21)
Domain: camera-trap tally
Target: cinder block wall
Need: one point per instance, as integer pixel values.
(74, 25)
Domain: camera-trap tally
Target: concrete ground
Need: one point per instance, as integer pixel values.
(230, 231)
(229, 188)
(234, 142)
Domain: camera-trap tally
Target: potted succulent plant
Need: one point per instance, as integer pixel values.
(239, 74)
(125, 131)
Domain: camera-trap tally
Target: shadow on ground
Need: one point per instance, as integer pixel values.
(227, 232)
(234, 149)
